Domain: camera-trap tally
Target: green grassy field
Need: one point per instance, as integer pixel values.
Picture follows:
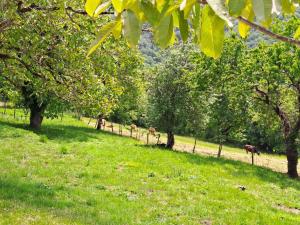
(69, 173)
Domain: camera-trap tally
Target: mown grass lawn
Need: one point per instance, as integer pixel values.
(69, 173)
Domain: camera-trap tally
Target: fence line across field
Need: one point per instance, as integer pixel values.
(155, 140)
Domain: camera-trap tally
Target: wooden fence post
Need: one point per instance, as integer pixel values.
(158, 137)
(252, 157)
(147, 138)
(137, 132)
(130, 131)
(220, 150)
(195, 142)
(5, 106)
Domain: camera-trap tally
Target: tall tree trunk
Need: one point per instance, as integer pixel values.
(195, 142)
(292, 157)
(36, 117)
(220, 149)
(36, 107)
(171, 140)
(99, 122)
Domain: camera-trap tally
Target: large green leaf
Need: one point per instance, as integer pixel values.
(288, 6)
(91, 6)
(218, 6)
(248, 14)
(104, 32)
(262, 9)
(183, 26)
(117, 31)
(297, 33)
(236, 7)
(186, 6)
(150, 12)
(118, 5)
(164, 31)
(212, 33)
(132, 28)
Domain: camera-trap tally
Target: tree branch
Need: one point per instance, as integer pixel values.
(280, 113)
(21, 9)
(262, 29)
(33, 6)
(268, 32)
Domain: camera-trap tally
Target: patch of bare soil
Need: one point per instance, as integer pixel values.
(288, 209)
(206, 222)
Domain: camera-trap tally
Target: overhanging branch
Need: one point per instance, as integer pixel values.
(268, 32)
(263, 29)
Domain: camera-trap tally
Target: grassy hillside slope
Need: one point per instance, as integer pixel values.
(69, 173)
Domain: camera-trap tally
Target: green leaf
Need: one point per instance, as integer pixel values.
(196, 17)
(132, 28)
(249, 15)
(101, 8)
(164, 31)
(104, 32)
(118, 5)
(288, 6)
(183, 26)
(262, 9)
(91, 6)
(218, 6)
(187, 6)
(212, 33)
(297, 33)
(236, 7)
(117, 31)
(150, 12)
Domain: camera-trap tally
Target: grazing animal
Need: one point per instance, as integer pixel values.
(243, 188)
(100, 123)
(110, 126)
(133, 127)
(152, 131)
(252, 149)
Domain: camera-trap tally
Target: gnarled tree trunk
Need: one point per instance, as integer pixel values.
(99, 122)
(36, 117)
(36, 107)
(171, 140)
(292, 157)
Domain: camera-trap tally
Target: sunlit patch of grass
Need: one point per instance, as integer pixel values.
(83, 176)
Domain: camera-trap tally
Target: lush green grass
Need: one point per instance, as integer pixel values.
(69, 173)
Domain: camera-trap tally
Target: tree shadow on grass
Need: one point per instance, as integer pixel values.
(63, 133)
(39, 196)
(33, 194)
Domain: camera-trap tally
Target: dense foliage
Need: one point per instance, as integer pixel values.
(43, 58)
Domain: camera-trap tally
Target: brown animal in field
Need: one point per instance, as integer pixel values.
(152, 131)
(100, 123)
(110, 126)
(133, 127)
(252, 149)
